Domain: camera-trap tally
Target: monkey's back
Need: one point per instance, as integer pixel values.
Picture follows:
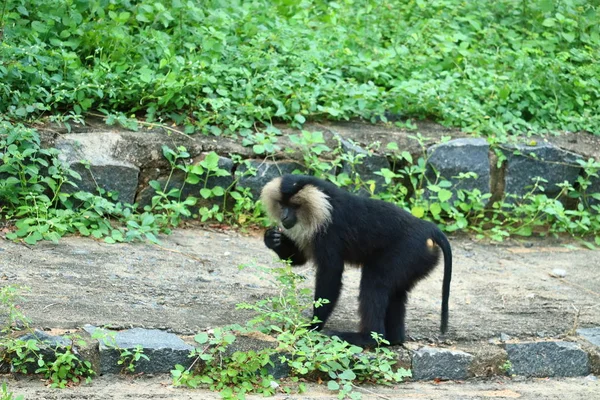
(363, 228)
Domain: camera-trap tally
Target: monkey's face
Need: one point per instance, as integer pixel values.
(289, 215)
(301, 209)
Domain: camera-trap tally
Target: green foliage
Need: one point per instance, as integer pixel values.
(233, 374)
(454, 209)
(506, 367)
(32, 193)
(496, 67)
(308, 354)
(66, 368)
(6, 395)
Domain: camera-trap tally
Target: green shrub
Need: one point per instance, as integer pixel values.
(487, 66)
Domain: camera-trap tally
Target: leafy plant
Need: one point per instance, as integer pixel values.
(65, 367)
(6, 395)
(233, 375)
(309, 354)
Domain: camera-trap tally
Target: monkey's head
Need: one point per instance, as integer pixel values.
(298, 205)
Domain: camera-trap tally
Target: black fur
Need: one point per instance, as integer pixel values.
(389, 243)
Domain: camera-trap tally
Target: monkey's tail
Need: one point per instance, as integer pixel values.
(439, 237)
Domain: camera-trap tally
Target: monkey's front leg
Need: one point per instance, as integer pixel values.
(328, 286)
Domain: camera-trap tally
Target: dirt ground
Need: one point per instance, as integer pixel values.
(159, 387)
(192, 281)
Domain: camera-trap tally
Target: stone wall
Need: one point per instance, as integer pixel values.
(126, 161)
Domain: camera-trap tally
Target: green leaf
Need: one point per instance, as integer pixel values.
(258, 148)
(211, 161)
(444, 195)
(201, 337)
(205, 193)
(33, 238)
(39, 27)
(524, 231)
(333, 385)
(192, 179)
(549, 22)
(347, 375)
(569, 37)
(418, 211)
(299, 118)
(406, 155)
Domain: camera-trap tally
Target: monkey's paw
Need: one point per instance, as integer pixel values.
(273, 238)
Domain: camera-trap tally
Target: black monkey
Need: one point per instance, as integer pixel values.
(323, 223)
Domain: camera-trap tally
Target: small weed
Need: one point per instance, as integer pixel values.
(506, 367)
(6, 395)
(128, 358)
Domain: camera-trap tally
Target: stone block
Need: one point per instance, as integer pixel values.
(461, 156)
(49, 345)
(177, 181)
(105, 170)
(433, 363)
(163, 349)
(542, 160)
(592, 335)
(547, 359)
(592, 346)
(367, 166)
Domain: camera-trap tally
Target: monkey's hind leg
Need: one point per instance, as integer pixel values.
(395, 318)
(374, 300)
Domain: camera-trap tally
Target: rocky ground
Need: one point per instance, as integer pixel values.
(192, 281)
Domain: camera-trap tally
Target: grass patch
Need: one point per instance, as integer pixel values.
(492, 67)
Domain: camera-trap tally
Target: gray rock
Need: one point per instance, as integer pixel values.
(542, 160)
(367, 166)
(592, 335)
(265, 171)
(105, 171)
(177, 181)
(547, 359)
(461, 156)
(433, 363)
(163, 349)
